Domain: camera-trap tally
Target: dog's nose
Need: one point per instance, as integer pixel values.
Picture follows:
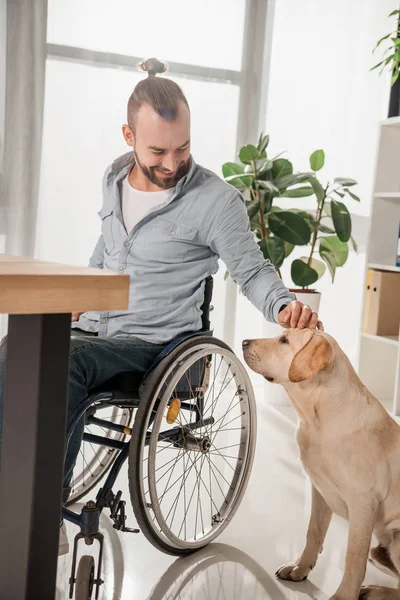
(245, 343)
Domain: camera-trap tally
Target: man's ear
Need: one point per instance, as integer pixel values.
(317, 354)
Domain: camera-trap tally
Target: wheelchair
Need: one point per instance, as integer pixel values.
(188, 430)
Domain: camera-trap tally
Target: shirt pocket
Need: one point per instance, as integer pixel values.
(166, 241)
(106, 215)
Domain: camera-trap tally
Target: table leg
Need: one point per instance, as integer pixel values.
(32, 457)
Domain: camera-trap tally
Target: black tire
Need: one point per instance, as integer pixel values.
(84, 578)
(139, 432)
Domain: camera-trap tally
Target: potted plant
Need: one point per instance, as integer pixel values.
(391, 61)
(278, 231)
(330, 233)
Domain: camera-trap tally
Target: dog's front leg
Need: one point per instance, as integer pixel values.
(320, 518)
(362, 517)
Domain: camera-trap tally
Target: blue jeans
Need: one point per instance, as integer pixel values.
(93, 360)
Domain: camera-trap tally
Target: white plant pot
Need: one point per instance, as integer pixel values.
(311, 298)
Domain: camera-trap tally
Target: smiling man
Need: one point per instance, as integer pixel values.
(165, 221)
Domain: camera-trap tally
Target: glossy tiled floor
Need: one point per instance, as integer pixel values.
(267, 531)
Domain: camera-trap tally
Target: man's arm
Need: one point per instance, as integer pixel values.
(97, 258)
(231, 238)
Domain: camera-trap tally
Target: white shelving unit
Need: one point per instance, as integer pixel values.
(379, 359)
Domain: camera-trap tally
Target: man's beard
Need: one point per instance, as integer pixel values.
(164, 182)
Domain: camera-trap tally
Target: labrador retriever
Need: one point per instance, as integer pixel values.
(350, 448)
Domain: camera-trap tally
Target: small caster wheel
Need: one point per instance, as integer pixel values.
(85, 578)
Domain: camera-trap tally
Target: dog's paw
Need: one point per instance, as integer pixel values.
(373, 592)
(293, 572)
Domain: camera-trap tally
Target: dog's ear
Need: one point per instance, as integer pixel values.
(317, 354)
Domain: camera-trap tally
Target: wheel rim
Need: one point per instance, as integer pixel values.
(94, 460)
(191, 490)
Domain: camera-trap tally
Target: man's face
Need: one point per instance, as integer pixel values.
(162, 148)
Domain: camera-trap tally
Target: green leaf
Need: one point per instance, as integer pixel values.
(263, 143)
(317, 265)
(239, 182)
(281, 167)
(317, 160)
(318, 189)
(290, 227)
(289, 180)
(253, 208)
(288, 248)
(263, 165)
(354, 244)
(338, 249)
(327, 209)
(325, 229)
(377, 65)
(267, 201)
(306, 216)
(395, 77)
(248, 153)
(338, 193)
(395, 12)
(268, 185)
(352, 194)
(345, 181)
(385, 37)
(273, 249)
(231, 168)
(226, 275)
(330, 261)
(341, 220)
(303, 275)
(299, 192)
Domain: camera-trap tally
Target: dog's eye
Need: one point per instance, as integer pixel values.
(284, 340)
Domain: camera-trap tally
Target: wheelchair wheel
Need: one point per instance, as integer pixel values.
(85, 578)
(93, 460)
(187, 477)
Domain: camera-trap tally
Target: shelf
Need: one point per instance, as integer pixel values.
(394, 121)
(391, 268)
(387, 195)
(386, 339)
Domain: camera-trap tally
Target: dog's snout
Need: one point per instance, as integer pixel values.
(245, 343)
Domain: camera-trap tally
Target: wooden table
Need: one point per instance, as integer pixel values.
(39, 297)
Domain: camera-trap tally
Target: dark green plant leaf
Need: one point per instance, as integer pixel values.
(317, 265)
(330, 261)
(318, 189)
(345, 181)
(288, 180)
(288, 248)
(290, 227)
(276, 209)
(306, 216)
(352, 194)
(354, 244)
(379, 42)
(281, 167)
(338, 249)
(267, 202)
(303, 275)
(395, 77)
(273, 249)
(253, 208)
(263, 143)
(341, 220)
(317, 160)
(263, 165)
(248, 153)
(299, 192)
(395, 12)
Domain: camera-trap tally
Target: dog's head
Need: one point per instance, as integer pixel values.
(295, 356)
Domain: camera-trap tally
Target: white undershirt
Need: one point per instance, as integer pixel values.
(136, 204)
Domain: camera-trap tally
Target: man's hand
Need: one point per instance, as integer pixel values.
(297, 314)
(75, 316)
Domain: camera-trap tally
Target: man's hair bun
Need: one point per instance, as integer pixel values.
(153, 66)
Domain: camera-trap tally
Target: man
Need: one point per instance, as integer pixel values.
(165, 222)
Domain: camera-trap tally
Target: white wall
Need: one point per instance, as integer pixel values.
(322, 95)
